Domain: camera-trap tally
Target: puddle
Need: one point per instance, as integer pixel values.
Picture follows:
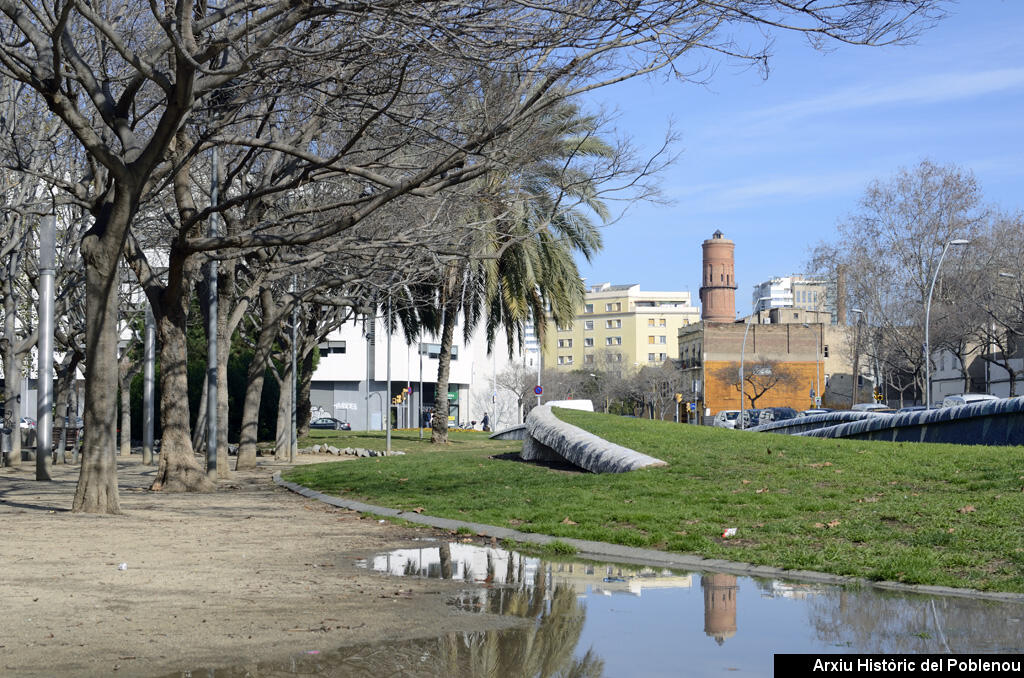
(603, 620)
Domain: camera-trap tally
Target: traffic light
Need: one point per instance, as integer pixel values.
(679, 397)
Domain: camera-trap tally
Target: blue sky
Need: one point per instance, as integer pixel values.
(777, 163)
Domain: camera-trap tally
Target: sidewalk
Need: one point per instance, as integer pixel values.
(252, 572)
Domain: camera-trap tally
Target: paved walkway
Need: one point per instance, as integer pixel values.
(596, 550)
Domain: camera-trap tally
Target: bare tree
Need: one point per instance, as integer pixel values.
(998, 294)
(660, 385)
(889, 250)
(136, 85)
(759, 378)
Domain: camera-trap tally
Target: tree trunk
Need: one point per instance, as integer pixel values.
(97, 481)
(250, 415)
(126, 416)
(12, 394)
(12, 363)
(439, 420)
(254, 383)
(65, 384)
(126, 372)
(223, 354)
(304, 407)
(178, 470)
(283, 439)
(199, 429)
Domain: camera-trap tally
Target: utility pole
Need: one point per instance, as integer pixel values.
(293, 447)
(44, 403)
(211, 333)
(387, 326)
(149, 357)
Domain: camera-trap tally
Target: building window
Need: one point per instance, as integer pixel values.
(661, 322)
(588, 359)
(588, 308)
(662, 357)
(433, 351)
(588, 324)
(615, 357)
(332, 347)
(565, 343)
(650, 357)
(613, 341)
(588, 342)
(650, 338)
(650, 322)
(613, 324)
(565, 360)
(565, 328)
(662, 339)
(616, 306)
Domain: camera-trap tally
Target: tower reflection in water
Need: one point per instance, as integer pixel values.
(719, 605)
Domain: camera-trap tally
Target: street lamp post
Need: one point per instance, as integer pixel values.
(817, 364)
(927, 321)
(856, 356)
(743, 351)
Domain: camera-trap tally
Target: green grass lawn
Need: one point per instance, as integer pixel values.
(917, 513)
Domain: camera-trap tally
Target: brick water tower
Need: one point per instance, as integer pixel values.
(718, 280)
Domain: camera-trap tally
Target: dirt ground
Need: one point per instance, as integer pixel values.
(248, 574)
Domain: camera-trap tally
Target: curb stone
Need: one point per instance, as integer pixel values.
(596, 550)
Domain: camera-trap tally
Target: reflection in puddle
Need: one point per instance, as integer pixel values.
(591, 620)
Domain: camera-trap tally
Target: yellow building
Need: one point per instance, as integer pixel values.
(620, 329)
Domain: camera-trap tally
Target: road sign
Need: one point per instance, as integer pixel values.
(539, 390)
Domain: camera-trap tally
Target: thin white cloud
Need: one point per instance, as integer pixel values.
(928, 89)
(742, 193)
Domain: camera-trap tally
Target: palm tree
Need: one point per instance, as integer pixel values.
(521, 265)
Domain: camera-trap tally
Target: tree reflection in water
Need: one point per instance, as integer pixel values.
(540, 648)
(882, 622)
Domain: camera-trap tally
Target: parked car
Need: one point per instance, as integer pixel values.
(967, 399)
(751, 418)
(911, 408)
(28, 423)
(815, 410)
(726, 419)
(872, 407)
(331, 424)
(776, 414)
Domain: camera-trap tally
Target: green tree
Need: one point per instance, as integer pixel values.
(521, 263)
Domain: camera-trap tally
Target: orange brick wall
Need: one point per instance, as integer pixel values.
(720, 395)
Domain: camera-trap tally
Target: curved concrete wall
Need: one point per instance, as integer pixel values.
(517, 432)
(998, 422)
(814, 421)
(551, 439)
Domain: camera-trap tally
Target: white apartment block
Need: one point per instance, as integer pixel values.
(350, 381)
(793, 291)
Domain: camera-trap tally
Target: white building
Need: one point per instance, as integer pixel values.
(982, 376)
(350, 381)
(792, 291)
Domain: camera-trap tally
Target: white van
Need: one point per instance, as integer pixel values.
(726, 419)
(967, 399)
